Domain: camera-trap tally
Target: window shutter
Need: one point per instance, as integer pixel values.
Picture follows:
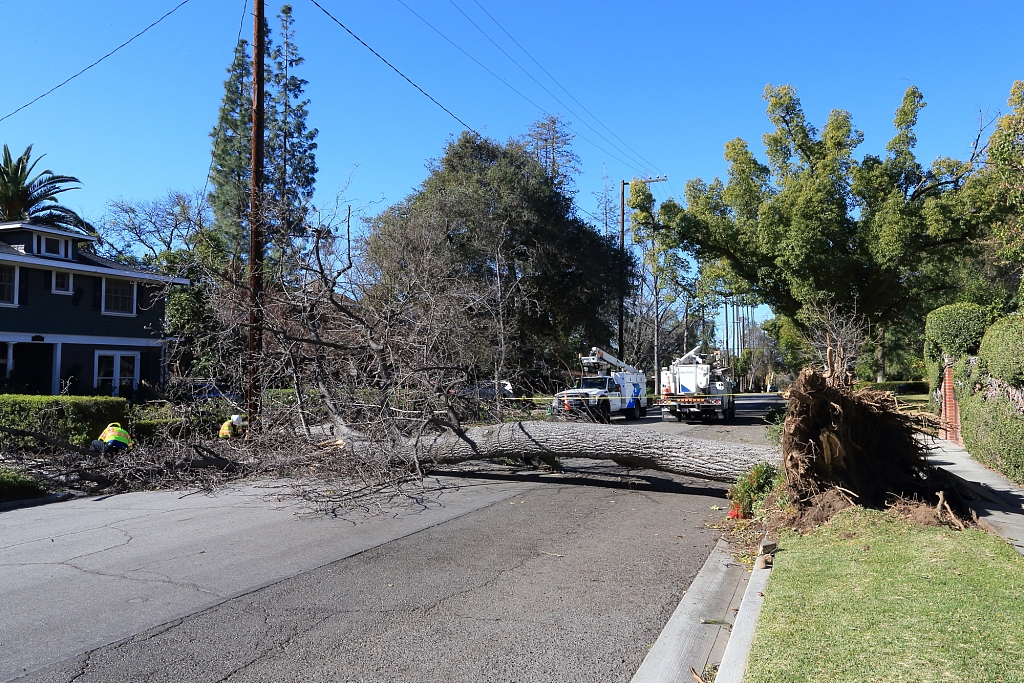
(23, 280)
(97, 294)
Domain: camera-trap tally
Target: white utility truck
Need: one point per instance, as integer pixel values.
(607, 386)
(697, 386)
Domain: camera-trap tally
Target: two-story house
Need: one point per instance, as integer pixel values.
(72, 319)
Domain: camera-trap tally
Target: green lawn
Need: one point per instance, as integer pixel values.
(872, 598)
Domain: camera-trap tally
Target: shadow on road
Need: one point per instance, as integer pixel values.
(572, 477)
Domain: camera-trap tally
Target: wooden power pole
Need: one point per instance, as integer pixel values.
(255, 337)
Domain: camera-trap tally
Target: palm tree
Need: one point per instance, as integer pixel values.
(34, 200)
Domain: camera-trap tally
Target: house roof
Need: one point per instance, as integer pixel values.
(18, 225)
(84, 263)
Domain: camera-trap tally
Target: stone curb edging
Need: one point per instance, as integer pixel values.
(698, 624)
(734, 662)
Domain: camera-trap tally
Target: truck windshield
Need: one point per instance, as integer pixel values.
(593, 383)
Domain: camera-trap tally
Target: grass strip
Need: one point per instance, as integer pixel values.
(871, 597)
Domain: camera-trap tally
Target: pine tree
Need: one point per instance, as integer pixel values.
(288, 150)
(549, 140)
(290, 145)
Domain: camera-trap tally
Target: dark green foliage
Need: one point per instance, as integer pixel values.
(76, 419)
(289, 144)
(993, 432)
(954, 331)
(490, 216)
(16, 485)
(1002, 350)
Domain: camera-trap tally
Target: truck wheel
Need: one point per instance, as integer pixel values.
(732, 411)
(633, 413)
(643, 411)
(605, 411)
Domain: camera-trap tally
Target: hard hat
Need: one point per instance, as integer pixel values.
(114, 424)
(236, 419)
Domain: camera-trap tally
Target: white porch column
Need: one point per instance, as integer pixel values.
(55, 378)
(10, 357)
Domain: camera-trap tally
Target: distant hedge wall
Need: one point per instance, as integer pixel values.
(897, 387)
(77, 419)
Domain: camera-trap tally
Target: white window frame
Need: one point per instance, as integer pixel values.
(17, 282)
(53, 283)
(135, 298)
(39, 246)
(117, 369)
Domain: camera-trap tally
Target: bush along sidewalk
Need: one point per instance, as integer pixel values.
(871, 596)
(15, 485)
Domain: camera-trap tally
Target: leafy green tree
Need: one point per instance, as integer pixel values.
(1006, 164)
(24, 197)
(501, 217)
(816, 223)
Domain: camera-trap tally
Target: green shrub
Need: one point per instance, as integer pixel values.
(16, 485)
(993, 432)
(1002, 350)
(155, 431)
(954, 330)
(751, 489)
(77, 419)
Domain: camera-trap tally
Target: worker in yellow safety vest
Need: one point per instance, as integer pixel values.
(113, 438)
(232, 428)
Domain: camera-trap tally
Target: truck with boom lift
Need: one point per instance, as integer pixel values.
(607, 387)
(697, 386)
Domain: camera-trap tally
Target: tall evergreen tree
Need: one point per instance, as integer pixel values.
(290, 144)
(288, 150)
(549, 141)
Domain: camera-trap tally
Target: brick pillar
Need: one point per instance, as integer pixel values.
(949, 426)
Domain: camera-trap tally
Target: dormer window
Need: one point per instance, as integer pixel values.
(52, 246)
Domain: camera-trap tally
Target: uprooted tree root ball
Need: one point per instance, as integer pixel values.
(842, 447)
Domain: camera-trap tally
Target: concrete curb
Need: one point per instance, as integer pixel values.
(700, 625)
(32, 502)
(734, 662)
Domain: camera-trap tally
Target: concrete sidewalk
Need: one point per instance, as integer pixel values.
(999, 507)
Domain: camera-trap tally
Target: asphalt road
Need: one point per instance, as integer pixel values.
(496, 576)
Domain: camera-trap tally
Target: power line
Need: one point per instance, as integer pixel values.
(521, 68)
(68, 80)
(394, 68)
(489, 16)
(506, 83)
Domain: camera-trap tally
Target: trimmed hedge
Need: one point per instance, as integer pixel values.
(77, 419)
(1002, 350)
(993, 432)
(954, 330)
(16, 485)
(993, 428)
(897, 387)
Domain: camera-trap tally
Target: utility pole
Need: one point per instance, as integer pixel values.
(622, 248)
(255, 337)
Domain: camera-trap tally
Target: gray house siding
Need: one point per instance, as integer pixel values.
(40, 311)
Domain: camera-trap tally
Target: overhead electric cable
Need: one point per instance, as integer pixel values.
(544, 87)
(393, 67)
(507, 84)
(489, 16)
(68, 80)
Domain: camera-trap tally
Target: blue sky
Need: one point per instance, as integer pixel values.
(674, 80)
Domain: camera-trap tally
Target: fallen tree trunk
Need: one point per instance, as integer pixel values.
(628, 446)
